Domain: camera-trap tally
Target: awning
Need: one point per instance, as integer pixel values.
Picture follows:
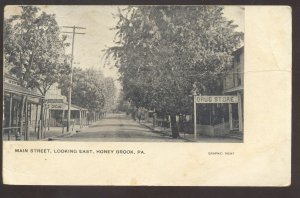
(234, 89)
(64, 106)
(79, 108)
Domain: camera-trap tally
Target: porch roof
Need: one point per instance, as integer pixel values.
(64, 106)
(233, 89)
(15, 89)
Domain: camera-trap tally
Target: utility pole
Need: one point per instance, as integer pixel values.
(71, 75)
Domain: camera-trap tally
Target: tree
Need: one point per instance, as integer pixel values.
(109, 90)
(90, 89)
(34, 48)
(163, 51)
(122, 104)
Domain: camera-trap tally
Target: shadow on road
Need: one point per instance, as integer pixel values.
(112, 125)
(118, 128)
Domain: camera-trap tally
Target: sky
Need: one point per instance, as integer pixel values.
(98, 21)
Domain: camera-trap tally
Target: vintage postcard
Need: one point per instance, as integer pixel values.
(189, 95)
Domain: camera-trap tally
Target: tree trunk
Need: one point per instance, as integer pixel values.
(174, 127)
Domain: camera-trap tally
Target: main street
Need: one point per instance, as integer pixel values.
(118, 128)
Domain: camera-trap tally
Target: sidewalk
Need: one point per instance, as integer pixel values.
(53, 132)
(56, 132)
(190, 137)
(158, 129)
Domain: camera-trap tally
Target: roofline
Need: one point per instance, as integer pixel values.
(23, 93)
(238, 50)
(10, 76)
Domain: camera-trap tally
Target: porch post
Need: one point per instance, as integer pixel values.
(240, 112)
(26, 120)
(62, 119)
(10, 112)
(30, 113)
(230, 116)
(49, 118)
(63, 115)
(44, 121)
(41, 125)
(36, 117)
(210, 110)
(195, 118)
(80, 118)
(84, 120)
(21, 115)
(85, 117)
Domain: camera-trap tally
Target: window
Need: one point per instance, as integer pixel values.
(238, 60)
(239, 77)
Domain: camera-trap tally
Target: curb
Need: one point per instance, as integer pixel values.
(66, 134)
(58, 136)
(159, 131)
(180, 137)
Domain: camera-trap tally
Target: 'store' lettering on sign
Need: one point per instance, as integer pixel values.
(216, 99)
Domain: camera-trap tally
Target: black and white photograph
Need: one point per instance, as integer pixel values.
(147, 95)
(123, 73)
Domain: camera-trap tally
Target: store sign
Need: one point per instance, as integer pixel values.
(216, 99)
(57, 106)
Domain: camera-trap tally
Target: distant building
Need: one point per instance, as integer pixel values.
(58, 108)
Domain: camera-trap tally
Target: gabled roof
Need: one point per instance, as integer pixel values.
(238, 51)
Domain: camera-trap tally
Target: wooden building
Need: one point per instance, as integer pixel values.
(233, 84)
(18, 106)
(226, 119)
(58, 110)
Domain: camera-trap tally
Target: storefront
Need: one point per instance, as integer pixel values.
(19, 107)
(58, 112)
(223, 115)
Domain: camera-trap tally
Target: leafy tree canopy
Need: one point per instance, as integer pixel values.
(90, 89)
(164, 52)
(35, 49)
